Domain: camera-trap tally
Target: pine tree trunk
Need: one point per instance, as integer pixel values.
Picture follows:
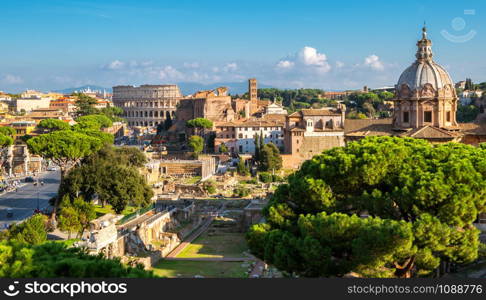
(405, 270)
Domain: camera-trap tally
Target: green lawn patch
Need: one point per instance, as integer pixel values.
(230, 245)
(208, 269)
(192, 180)
(100, 211)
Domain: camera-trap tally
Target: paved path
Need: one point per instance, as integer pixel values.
(211, 258)
(25, 200)
(191, 238)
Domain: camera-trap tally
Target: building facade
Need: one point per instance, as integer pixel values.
(310, 131)
(239, 136)
(147, 105)
(32, 103)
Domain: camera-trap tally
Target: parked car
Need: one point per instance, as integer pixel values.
(52, 168)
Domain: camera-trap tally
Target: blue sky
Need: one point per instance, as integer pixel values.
(52, 44)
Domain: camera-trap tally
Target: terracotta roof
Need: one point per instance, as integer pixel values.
(321, 112)
(380, 127)
(267, 120)
(275, 117)
(361, 124)
(373, 130)
(473, 128)
(431, 132)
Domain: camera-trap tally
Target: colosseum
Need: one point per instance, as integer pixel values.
(147, 105)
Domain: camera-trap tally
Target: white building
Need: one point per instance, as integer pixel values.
(29, 104)
(239, 137)
(273, 132)
(466, 97)
(275, 109)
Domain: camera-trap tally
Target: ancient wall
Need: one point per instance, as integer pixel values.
(181, 168)
(313, 145)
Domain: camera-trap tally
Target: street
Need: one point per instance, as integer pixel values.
(24, 201)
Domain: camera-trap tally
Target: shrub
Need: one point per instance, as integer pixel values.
(241, 191)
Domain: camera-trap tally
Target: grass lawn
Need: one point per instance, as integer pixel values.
(219, 245)
(192, 180)
(100, 211)
(179, 268)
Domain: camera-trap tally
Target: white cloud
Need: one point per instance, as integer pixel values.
(193, 65)
(230, 67)
(285, 64)
(310, 57)
(115, 65)
(12, 79)
(170, 73)
(305, 60)
(374, 63)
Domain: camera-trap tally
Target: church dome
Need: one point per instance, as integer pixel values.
(424, 74)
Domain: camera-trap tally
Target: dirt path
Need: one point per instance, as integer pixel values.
(190, 239)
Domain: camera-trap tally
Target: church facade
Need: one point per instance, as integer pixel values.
(425, 106)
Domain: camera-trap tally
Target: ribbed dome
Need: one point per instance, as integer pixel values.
(423, 72)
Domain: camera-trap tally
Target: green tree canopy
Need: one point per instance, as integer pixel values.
(65, 148)
(5, 140)
(112, 175)
(113, 112)
(53, 124)
(6, 136)
(32, 231)
(85, 105)
(200, 123)
(54, 260)
(223, 148)
(466, 113)
(7, 130)
(407, 184)
(102, 120)
(241, 168)
(270, 159)
(75, 215)
(196, 144)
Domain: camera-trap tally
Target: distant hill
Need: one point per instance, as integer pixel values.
(187, 88)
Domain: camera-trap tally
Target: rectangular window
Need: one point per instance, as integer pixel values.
(448, 116)
(428, 116)
(405, 117)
